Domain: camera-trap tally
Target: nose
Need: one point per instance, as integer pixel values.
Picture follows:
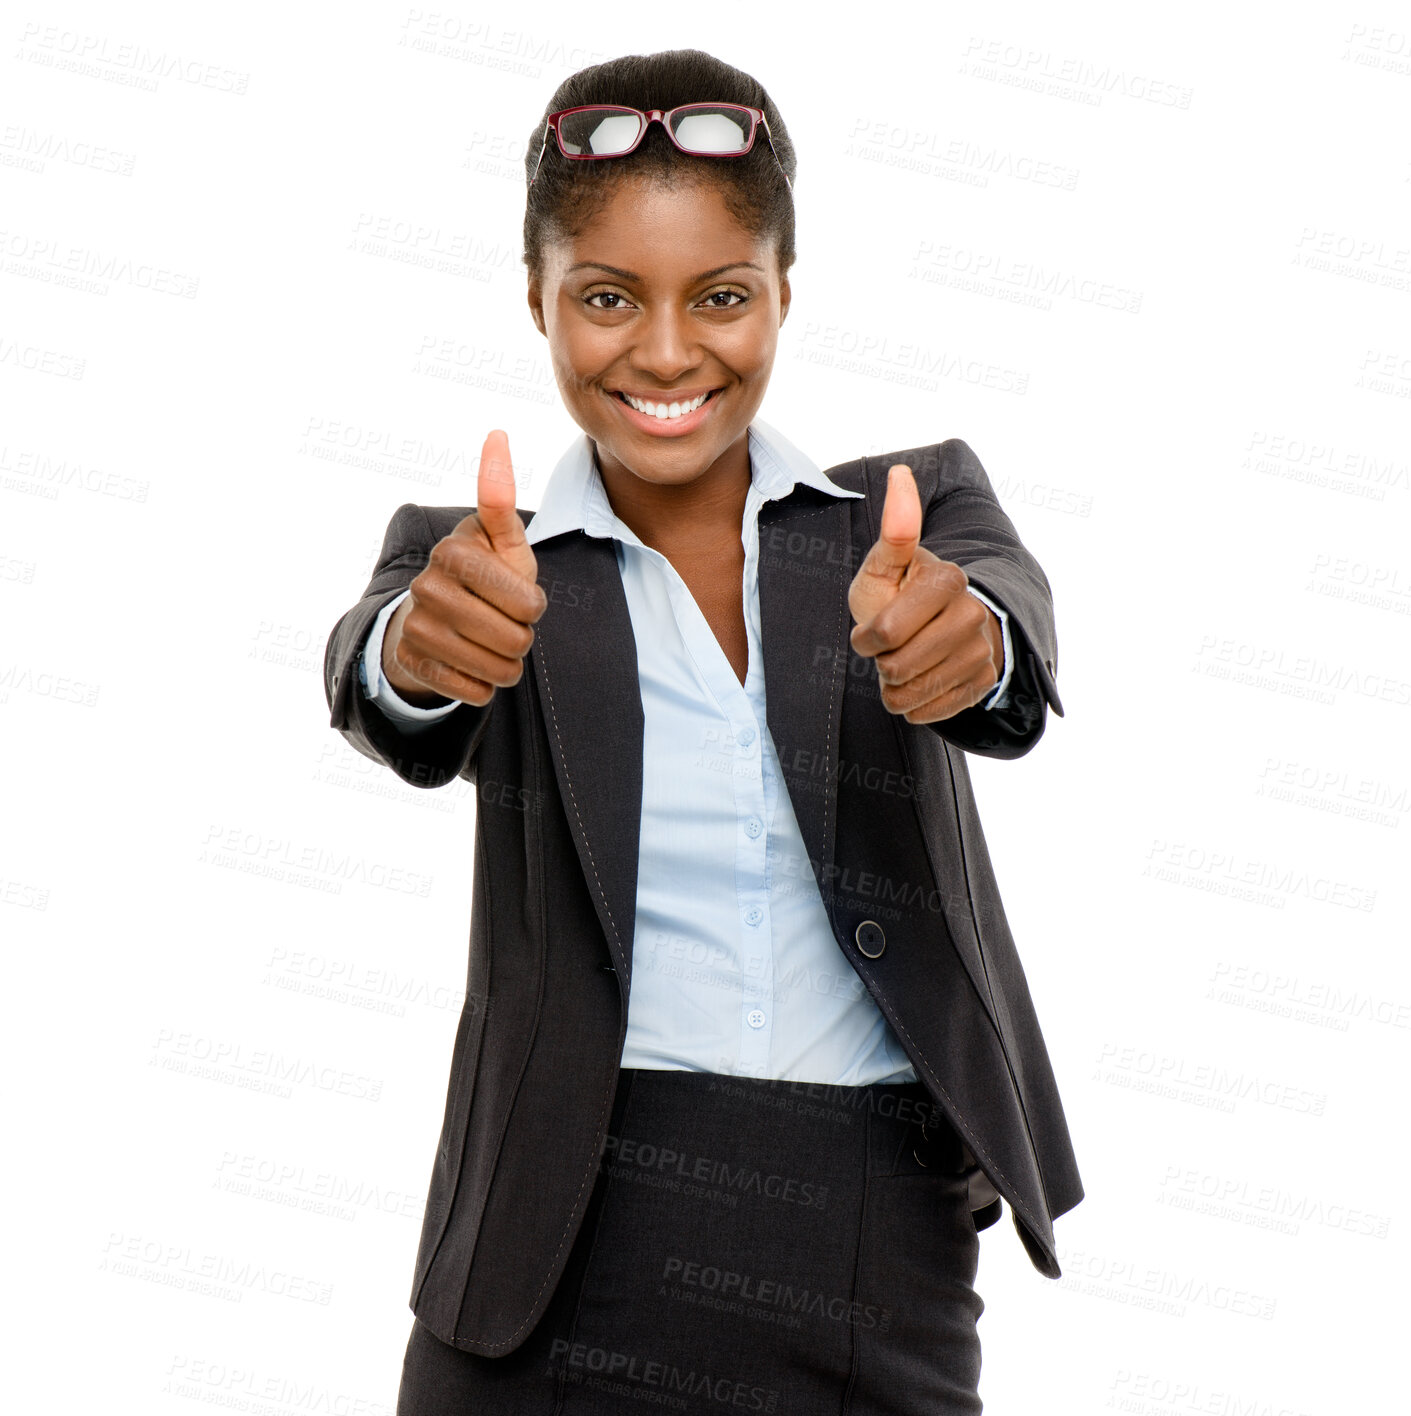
(667, 345)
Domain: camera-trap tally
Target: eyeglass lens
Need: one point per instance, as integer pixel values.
(700, 127)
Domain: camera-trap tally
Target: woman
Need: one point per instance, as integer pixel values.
(720, 936)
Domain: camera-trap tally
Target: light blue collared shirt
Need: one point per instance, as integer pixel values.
(735, 968)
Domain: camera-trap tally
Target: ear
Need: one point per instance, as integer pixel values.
(536, 304)
(784, 297)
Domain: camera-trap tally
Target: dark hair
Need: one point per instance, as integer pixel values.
(566, 194)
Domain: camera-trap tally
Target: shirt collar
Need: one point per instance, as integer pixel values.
(576, 500)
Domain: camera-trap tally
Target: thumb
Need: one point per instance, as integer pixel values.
(494, 505)
(880, 575)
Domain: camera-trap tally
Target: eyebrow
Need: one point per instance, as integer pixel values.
(630, 275)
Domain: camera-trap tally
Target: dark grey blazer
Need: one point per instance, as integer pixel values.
(887, 815)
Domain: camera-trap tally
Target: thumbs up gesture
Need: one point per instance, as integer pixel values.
(465, 627)
(938, 649)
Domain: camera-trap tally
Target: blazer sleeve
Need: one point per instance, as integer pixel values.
(963, 522)
(430, 756)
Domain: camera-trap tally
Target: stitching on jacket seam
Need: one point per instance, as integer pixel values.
(593, 1164)
(829, 798)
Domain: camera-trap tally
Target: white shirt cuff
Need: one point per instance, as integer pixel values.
(1002, 687)
(376, 687)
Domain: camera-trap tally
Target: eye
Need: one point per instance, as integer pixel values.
(715, 295)
(604, 295)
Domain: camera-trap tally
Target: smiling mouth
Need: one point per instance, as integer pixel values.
(665, 410)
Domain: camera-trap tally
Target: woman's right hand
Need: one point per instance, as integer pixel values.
(465, 627)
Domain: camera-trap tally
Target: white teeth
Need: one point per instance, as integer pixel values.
(665, 410)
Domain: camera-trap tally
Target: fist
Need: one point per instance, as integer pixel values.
(465, 627)
(938, 649)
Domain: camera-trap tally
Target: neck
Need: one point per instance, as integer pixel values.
(682, 518)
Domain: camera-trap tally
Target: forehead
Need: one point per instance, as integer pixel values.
(662, 232)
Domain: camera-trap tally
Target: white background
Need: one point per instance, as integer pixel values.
(1156, 273)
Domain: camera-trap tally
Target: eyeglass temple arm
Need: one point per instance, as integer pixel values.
(769, 138)
(542, 148)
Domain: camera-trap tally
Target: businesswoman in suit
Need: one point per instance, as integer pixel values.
(782, 1217)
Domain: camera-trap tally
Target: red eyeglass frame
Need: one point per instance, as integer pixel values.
(757, 120)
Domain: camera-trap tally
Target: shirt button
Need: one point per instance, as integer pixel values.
(755, 1018)
(746, 737)
(753, 827)
(753, 915)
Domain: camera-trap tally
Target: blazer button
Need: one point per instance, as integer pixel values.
(870, 938)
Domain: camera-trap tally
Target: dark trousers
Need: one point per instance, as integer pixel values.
(750, 1245)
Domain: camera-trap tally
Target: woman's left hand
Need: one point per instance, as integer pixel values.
(938, 649)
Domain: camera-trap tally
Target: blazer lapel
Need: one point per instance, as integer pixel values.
(804, 574)
(585, 666)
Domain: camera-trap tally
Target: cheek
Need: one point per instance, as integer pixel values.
(756, 347)
(574, 367)
(574, 348)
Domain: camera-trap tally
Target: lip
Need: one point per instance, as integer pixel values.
(666, 427)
